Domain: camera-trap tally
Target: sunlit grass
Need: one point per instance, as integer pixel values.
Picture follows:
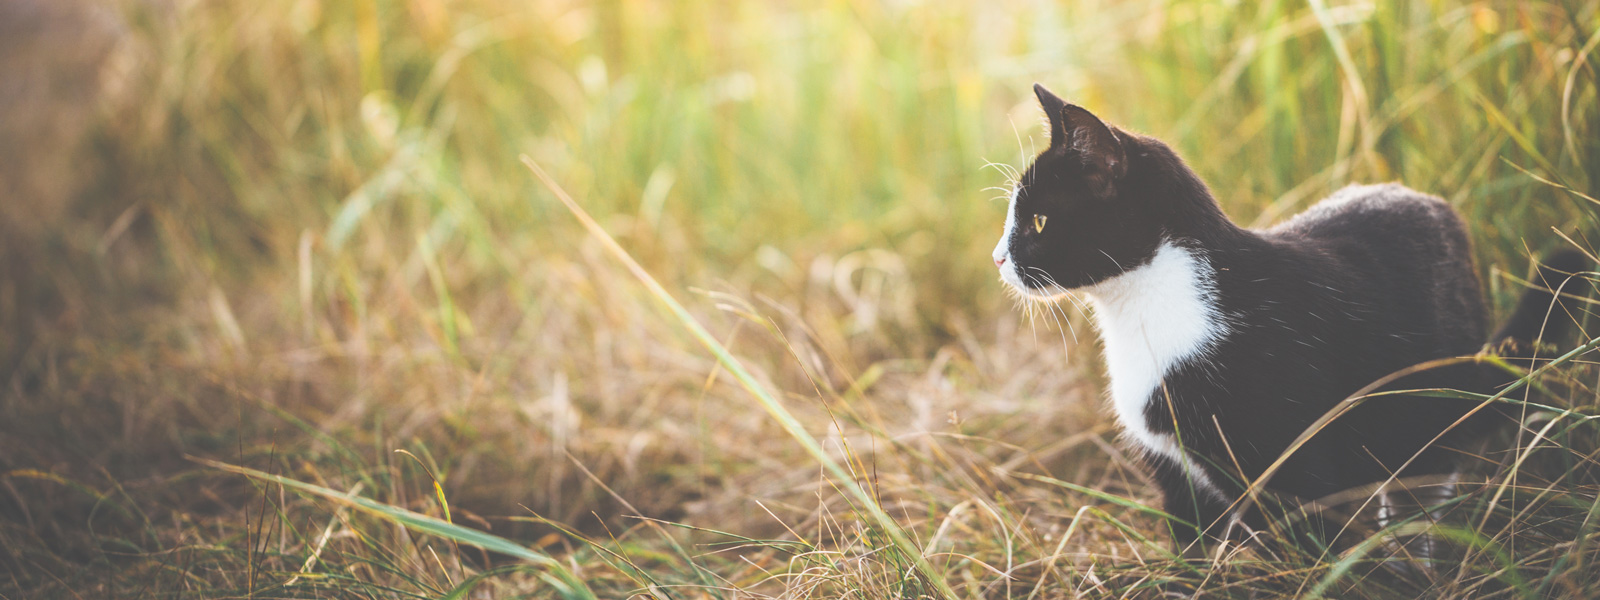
(309, 243)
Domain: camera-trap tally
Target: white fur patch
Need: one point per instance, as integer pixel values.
(1002, 249)
(1153, 319)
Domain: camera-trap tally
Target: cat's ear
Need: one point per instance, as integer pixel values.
(1076, 132)
(1052, 105)
(1097, 147)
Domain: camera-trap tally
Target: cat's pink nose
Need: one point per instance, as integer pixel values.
(1000, 262)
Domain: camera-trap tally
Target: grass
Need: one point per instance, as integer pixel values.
(302, 325)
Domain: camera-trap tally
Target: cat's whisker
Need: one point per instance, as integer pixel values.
(1063, 324)
(1011, 292)
(1032, 304)
(1027, 309)
(1078, 303)
(1113, 260)
(1065, 293)
(1022, 156)
(1008, 171)
(1027, 315)
(1083, 305)
(1072, 297)
(1054, 302)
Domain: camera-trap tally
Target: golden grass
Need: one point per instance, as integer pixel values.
(298, 240)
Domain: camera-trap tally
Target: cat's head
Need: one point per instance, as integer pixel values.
(1077, 216)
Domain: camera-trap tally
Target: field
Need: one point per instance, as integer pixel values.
(283, 314)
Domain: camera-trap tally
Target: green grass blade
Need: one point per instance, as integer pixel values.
(1107, 496)
(782, 415)
(573, 587)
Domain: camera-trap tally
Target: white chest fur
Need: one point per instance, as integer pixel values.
(1153, 319)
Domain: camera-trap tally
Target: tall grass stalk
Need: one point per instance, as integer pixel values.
(790, 424)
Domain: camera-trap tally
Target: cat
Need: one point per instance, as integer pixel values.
(1222, 344)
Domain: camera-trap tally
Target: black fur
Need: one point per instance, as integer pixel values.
(1318, 307)
(1536, 308)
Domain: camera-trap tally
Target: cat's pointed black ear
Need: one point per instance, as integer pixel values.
(1052, 105)
(1095, 145)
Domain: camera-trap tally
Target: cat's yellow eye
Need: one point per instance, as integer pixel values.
(1038, 223)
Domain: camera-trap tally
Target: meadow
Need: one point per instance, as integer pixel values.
(285, 313)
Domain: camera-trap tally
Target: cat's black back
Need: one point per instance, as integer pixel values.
(1373, 280)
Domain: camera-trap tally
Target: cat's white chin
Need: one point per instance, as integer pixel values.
(1045, 289)
(1049, 292)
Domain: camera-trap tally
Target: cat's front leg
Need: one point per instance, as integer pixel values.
(1198, 514)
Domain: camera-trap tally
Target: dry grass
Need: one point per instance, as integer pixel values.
(295, 237)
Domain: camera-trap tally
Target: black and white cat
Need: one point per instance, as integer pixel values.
(1223, 344)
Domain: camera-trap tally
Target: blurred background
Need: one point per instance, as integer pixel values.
(295, 235)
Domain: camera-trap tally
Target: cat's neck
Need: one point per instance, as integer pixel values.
(1153, 318)
(1186, 207)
